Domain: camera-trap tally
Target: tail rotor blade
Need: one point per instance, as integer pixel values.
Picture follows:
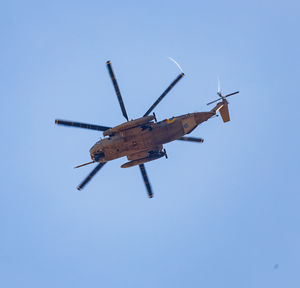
(90, 176)
(146, 180)
(164, 94)
(213, 101)
(232, 94)
(116, 86)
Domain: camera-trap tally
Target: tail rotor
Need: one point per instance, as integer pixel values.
(219, 93)
(222, 106)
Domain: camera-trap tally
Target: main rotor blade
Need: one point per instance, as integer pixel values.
(191, 139)
(81, 125)
(164, 94)
(232, 94)
(115, 83)
(91, 175)
(146, 180)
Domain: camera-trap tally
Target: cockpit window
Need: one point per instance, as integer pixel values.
(99, 155)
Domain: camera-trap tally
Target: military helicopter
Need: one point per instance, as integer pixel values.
(141, 140)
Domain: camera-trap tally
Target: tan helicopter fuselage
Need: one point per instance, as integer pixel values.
(142, 140)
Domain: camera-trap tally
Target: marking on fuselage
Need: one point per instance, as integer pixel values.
(169, 121)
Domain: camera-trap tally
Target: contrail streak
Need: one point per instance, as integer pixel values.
(176, 64)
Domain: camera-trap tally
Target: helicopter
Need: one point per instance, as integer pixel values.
(141, 140)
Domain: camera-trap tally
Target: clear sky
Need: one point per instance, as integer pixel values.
(225, 213)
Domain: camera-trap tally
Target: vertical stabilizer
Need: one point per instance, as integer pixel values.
(222, 106)
(224, 111)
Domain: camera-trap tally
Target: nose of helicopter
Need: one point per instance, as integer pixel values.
(92, 152)
(96, 152)
(92, 156)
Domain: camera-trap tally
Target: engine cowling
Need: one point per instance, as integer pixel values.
(128, 125)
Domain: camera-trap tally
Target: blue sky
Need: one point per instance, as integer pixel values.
(225, 212)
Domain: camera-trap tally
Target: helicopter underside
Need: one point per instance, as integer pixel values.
(145, 143)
